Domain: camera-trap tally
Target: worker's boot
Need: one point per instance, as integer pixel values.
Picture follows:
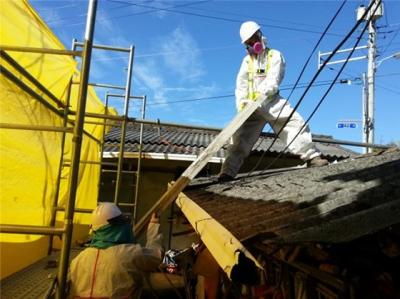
(317, 162)
(223, 178)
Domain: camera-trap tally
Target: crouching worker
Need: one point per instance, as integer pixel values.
(114, 266)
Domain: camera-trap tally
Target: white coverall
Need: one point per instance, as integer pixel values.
(117, 271)
(268, 69)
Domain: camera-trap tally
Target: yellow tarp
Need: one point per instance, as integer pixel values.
(30, 160)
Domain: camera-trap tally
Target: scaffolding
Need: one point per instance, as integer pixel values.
(119, 171)
(76, 128)
(25, 81)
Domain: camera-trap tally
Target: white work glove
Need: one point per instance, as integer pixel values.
(243, 103)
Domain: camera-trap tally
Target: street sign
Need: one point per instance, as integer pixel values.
(348, 125)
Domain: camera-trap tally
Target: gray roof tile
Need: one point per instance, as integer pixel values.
(193, 141)
(334, 203)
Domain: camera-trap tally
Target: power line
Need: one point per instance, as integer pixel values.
(330, 87)
(59, 21)
(387, 88)
(388, 75)
(289, 87)
(252, 17)
(153, 9)
(301, 73)
(357, 77)
(217, 18)
(59, 7)
(309, 57)
(394, 24)
(390, 42)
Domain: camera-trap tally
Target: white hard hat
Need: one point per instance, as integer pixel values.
(104, 212)
(247, 30)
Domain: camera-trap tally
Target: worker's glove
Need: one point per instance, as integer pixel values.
(154, 218)
(243, 104)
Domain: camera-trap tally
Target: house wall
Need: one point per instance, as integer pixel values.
(154, 179)
(153, 183)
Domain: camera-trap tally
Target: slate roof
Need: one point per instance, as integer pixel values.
(190, 141)
(335, 203)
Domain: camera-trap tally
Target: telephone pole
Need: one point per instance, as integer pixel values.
(369, 122)
(369, 78)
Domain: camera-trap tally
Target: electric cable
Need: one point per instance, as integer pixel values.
(151, 8)
(297, 81)
(386, 19)
(390, 42)
(241, 15)
(330, 87)
(59, 20)
(314, 78)
(309, 57)
(356, 77)
(301, 85)
(388, 75)
(216, 17)
(388, 88)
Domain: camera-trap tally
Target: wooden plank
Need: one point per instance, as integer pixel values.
(170, 195)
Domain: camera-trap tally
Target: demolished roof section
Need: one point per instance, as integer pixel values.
(335, 203)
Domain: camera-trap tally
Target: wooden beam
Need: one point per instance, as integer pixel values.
(170, 195)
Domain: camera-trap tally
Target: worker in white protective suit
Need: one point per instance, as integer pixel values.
(260, 75)
(114, 266)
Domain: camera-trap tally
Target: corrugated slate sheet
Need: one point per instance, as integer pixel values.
(158, 139)
(334, 203)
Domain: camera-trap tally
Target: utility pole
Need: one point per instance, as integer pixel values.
(365, 114)
(370, 119)
(369, 78)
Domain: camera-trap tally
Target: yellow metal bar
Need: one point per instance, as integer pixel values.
(76, 210)
(30, 230)
(35, 128)
(40, 50)
(219, 241)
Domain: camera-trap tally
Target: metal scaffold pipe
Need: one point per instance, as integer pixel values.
(124, 124)
(139, 161)
(30, 230)
(40, 50)
(76, 151)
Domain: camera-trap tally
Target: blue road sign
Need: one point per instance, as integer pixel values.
(350, 125)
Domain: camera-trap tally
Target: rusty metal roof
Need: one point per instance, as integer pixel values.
(334, 203)
(159, 139)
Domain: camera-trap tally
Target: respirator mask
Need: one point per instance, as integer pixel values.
(255, 44)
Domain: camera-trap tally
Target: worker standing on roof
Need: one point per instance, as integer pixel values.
(260, 74)
(114, 266)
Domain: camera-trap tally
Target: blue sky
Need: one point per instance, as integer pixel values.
(188, 50)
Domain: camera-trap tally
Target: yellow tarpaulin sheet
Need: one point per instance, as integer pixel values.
(30, 160)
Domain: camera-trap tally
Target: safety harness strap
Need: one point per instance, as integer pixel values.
(252, 94)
